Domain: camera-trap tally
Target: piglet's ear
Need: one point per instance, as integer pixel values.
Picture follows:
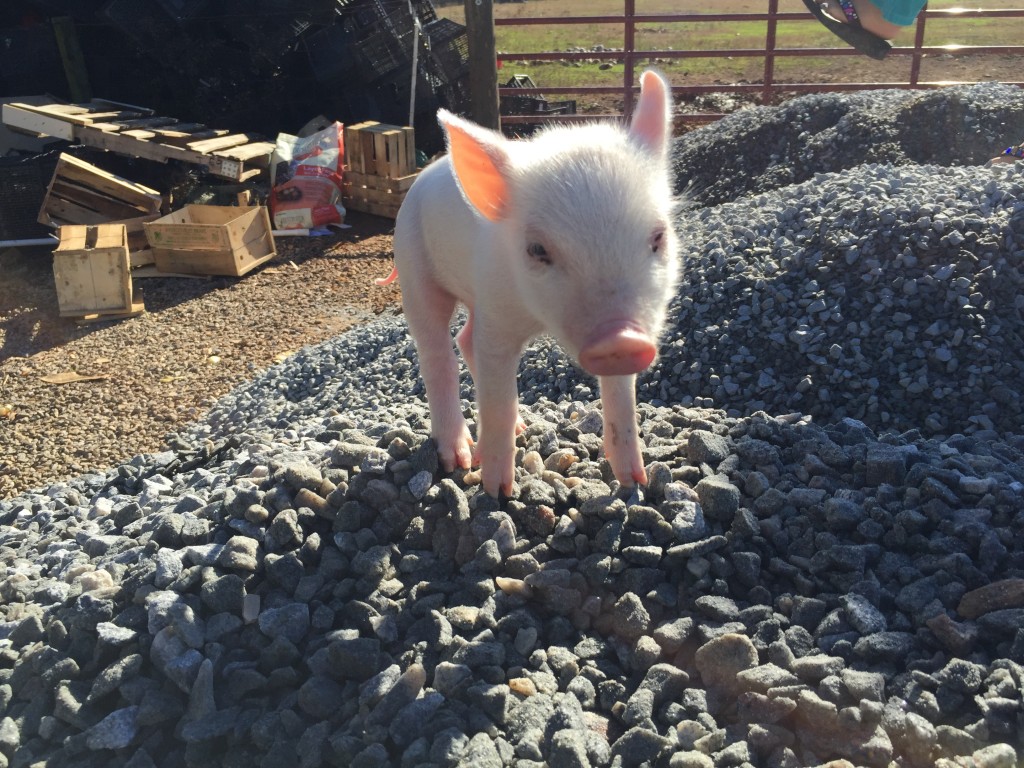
(480, 163)
(651, 125)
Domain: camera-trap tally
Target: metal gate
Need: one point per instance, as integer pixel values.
(769, 89)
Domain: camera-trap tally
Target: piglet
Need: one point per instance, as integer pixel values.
(569, 234)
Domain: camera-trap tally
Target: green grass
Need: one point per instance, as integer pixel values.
(715, 35)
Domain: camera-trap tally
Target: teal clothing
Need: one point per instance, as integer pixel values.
(901, 12)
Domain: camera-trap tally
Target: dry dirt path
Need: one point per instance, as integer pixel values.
(198, 339)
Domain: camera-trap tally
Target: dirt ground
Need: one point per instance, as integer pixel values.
(198, 339)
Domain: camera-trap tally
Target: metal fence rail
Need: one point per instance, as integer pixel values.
(769, 89)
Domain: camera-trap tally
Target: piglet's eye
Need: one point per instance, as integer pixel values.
(538, 253)
(656, 240)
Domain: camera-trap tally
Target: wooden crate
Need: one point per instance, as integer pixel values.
(91, 270)
(380, 167)
(379, 195)
(212, 240)
(81, 193)
(379, 149)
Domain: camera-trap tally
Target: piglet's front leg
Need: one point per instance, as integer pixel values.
(621, 436)
(465, 342)
(428, 309)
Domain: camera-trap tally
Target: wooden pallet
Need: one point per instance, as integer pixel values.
(379, 195)
(136, 132)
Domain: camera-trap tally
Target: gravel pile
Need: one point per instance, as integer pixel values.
(891, 295)
(807, 577)
(757, 150)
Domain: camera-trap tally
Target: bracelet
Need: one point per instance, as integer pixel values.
(850, 11)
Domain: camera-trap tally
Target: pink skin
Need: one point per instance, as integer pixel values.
(621, 439)
(428, 311)
(615, 353)
(497, 415)
(617, 348)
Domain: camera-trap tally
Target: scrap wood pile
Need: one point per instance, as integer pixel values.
(243, 64)
(112, 230)
(238, 65)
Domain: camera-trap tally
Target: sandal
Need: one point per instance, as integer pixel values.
(1010, 155)
(851, 32)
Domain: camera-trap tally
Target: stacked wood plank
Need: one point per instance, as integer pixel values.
(380, 167)
(136, 132)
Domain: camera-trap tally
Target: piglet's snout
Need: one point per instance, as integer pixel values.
(617, 349)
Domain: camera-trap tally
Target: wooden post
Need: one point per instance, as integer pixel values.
(483, 63)
(628, 46)
(71, 56)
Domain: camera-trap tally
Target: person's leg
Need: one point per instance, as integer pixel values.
(903, 13)
(871, 17)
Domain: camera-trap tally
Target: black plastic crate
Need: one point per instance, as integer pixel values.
(146, 23)
(332, 53)
(30, 61)
(23, 183)
(522, 105)
(270, 28)
(386, 45)
(448, 46)
(532, 104)
(359, 14)
(183, 10)
(567, 107)
(384, 51)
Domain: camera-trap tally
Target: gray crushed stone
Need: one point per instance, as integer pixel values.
(827, 564)
(759, 150)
